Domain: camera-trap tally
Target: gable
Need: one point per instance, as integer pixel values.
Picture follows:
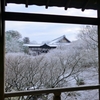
(61, 39)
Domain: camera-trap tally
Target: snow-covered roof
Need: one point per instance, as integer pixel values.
(30, 45)
(39, 45)
(57, 40)
(54, 43)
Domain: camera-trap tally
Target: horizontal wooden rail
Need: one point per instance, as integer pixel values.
(51, 90)
(12, 16)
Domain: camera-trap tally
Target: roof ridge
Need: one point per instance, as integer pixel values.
(58, 38)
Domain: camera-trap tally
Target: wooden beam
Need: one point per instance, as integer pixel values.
(47, 3)
(52, 90)
(67, 4)
(2, 4)
(85, 4)
(50, 18)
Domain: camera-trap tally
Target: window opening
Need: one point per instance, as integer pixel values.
(56, 94)
(65, 56)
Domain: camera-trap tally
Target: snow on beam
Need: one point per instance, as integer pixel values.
(50, 90)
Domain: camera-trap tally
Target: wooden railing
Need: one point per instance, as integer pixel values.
(56, 91)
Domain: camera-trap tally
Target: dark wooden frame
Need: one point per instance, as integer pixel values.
(50, 18)
(98, 12)
(44, 18)
(2, 29)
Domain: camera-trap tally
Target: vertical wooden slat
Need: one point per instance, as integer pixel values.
(98, 15)
(85, 4)
(26, 5)
(99, 48)
(67, 4)
(57, 96)
(1, 50)
(47, 3)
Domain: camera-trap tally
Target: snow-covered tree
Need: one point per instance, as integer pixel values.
(44, 71)
(89, 37)
(12, 41)
(14, 34)
(61, 67)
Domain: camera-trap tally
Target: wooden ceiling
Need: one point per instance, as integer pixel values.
(80, 4)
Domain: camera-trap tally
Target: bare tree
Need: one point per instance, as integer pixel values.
(26, 40)
(89, 35)
(27, 72)
(54, 69)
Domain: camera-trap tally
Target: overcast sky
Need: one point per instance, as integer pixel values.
(46, 31)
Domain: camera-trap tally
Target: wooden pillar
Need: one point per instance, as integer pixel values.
(1, 50)
(57, 96)
(98, 15)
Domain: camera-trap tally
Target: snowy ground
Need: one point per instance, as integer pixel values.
(90, 77)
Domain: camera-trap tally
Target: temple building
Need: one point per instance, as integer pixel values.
(36, 49)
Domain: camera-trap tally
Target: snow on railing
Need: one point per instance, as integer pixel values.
(56, 91)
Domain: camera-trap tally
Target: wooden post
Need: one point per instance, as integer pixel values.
(98, 15)
(99, 49)
(2, 49)
(57, 96)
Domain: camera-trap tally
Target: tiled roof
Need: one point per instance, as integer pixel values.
(56, 41)
(38, 45)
